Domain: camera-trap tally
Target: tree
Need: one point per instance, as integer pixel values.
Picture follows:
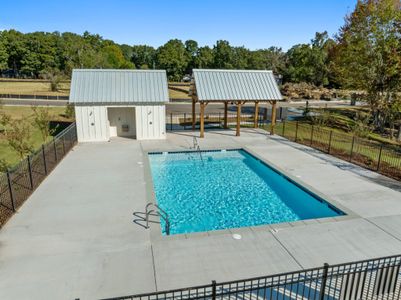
(223, 55)
(13, 41)
(192, 49)
(143, 57)
(69, 111)
(368, 56)
(204, 57)
(3, 53)
(113, 58)
(174, 58)
(54, 76)
(42, 118)
(272, 58)
(309, 62)
(18, 134)
(240, 58)
(127, 51)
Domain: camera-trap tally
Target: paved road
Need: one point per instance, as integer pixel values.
(219, 107)
(185, 107)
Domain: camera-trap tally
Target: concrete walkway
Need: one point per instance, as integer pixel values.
(75, 237)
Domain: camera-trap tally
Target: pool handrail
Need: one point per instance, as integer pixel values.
(197, 148)
(159, 212)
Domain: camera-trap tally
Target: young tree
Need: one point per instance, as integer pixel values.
(69, 111)
(17, 133)
(54, 76)
(368, 56)
(42, 119)
(4, 165)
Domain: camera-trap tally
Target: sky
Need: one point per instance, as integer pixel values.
(254, 24)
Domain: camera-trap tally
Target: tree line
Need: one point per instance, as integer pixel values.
(365, 54)
(37, 54)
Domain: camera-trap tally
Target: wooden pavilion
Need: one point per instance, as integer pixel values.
(233, 86)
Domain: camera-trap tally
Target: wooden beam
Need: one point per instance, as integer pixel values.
(225, 114)
(256, 117)
(193, 113)
(238, 118)
(202, 119)
(273, 120)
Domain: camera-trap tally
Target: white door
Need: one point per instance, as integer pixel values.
(122, 121)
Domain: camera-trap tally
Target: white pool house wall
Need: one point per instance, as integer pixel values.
(125, 103)
(93, 122)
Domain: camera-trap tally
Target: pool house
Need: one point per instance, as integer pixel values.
(233, 86)
(126, 103)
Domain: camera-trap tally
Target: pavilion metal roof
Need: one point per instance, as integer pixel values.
(108, 86)
(235, 85)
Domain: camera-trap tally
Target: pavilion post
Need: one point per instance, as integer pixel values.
(202, 119)
(256, 117)
(273, 120)
(238, 119)
(193, 113)
(225, 114)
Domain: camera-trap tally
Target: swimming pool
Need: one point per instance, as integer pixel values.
(225, 189)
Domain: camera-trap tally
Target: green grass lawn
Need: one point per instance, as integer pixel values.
(33, 88)
(40, 87)
(342, 119)
(365, 152)
(25, 112)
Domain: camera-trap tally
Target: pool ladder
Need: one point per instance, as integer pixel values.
(159, 212)
(197, 148)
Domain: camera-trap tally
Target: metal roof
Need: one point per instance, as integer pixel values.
(106, 86)
(231, 85)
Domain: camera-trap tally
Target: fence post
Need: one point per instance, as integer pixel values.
(10, 189)
(171, 121)
(296, 131)
(185, 121)
(352, 148)
(324, 281)
(380, 158)
(311, 135)
(63, 145)
(283, 128)
(331, 135)
(55, 150)
(44, 159)
(30, 171)
(213, 289)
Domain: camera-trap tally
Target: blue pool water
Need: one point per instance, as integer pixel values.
(228, 189)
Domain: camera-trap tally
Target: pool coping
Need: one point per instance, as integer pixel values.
(155, 229)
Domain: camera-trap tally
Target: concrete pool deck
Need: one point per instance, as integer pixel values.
(75, 237)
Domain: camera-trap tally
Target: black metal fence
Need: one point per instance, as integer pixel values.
(369, 279)
(17, 184)
(379, 157)
(183, 121)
